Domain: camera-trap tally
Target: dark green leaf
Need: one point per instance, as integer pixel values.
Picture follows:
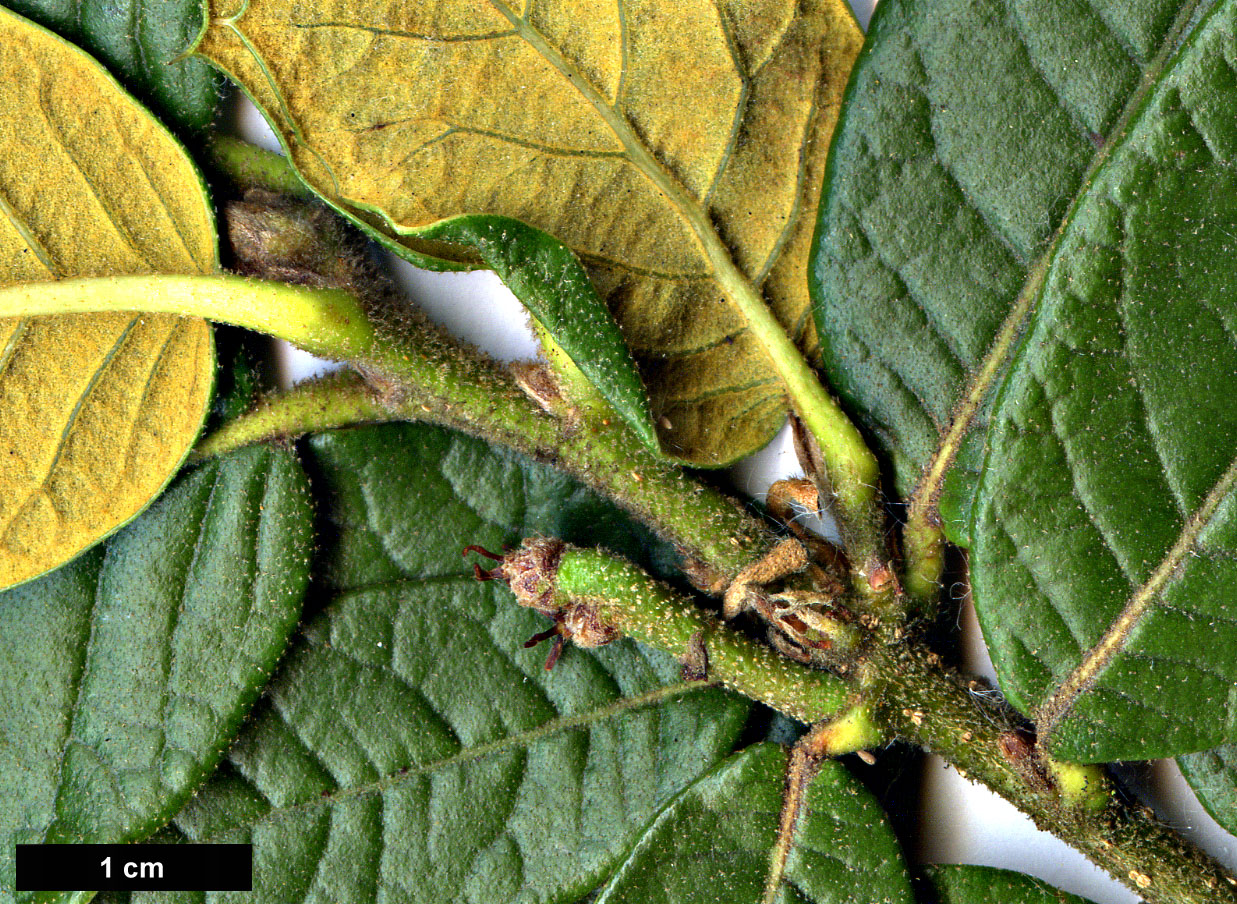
(947, 183)
(1213, 776)
(411, 748)
(1106, 522)
(985, 885)
(1053, 187)
(549, 280)
(240, 377)
(125, 674)
(715, 842)
(141, 41)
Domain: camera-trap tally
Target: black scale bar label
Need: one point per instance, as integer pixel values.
(134, 867)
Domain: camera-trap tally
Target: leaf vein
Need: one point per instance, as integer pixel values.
(174, 616)
(740, 111)
(80, 674)
(398, 33)
(1121, 39)
(1075, 465)
(27, 235)
(1116, 638)
(1035, 65)
(875, 353)
(931, 320)
(521, 740)
(68, 427)
(1004, 344)
(796, 206)
(11, 346)
(1154, 432)
(1078, 639)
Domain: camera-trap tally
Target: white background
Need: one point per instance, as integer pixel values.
(960, 821)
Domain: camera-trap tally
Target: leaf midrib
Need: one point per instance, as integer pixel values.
(799, 774)
(637, 151)
(843, 445)
(522, 739)
(1118, 634)
(1004, 345)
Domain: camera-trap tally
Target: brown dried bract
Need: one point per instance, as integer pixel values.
(1018, 747)
(537, 381)
(787, 558)
(696, 661)
(531, 572)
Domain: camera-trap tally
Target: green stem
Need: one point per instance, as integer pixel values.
(254, 167)
(923, 545)
(638, 606)
(970, 726)
(853, 471)
(704, 524)
(852, 468)
(340, 399)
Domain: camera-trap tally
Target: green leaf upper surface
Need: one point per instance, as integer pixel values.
(124, 675)
(541, 271)
(141, 42)
(715, 842)
(946, 183)
(985, 885)
(1106, 523)
(411, 749)
(1213, 776)
(548, 278)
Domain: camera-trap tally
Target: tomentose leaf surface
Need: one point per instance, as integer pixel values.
(666, 144)
(142, 42)
(96, 411)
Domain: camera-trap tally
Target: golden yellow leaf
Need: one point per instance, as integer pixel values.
(96, 410)
(660, 140)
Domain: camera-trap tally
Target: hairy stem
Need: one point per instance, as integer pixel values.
(969, 725)
(852, 468)
(918, 700)
(253, 167)
(631, 602)
(340, 399)
(707, 526)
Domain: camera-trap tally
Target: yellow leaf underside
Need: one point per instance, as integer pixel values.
(585, 119)
(96, 411)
